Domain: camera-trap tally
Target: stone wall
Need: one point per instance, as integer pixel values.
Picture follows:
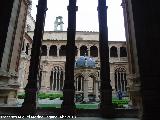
(11, 55)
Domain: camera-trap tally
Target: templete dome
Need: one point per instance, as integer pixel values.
(85, 61)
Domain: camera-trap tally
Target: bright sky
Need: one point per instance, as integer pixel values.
(87, 16)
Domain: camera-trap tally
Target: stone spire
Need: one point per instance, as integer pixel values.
(29, 6)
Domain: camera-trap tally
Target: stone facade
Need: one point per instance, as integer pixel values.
(52, 65)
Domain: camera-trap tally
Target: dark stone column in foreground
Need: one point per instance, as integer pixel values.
(146, 20)
(30, 102)
(68, 105)
(106, 89)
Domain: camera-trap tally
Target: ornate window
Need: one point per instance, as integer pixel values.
(56, 79)
(53, 50)
(113, 51)
(120, 79)
(94, 51)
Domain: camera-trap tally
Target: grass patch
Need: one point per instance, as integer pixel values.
(50, 105)
(87, 106)
(42, 95)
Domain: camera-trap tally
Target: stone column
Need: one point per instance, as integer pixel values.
(30, 102)
(21, 75)
(96, 90)
(85, 90)
(68, 105)
(43, 80)
(47, 80)
(78, 52)
(89, 52)
(58, 48)
(48, 48)
(106, 89)
(118, 52)
(112, 77)
(134, 83)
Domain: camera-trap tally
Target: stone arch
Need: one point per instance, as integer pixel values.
(94, 51)
(113, 52)
(44, 50)
(91, 82)
(123, 52)
(79, 81)
(53, 50)
(83, 50)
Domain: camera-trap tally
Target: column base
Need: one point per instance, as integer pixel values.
(68, 106)
(28, 109)
(97, 99)
(85, 99)
(29, 106)
(106, 107)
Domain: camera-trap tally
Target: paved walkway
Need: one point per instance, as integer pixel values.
(78, 118)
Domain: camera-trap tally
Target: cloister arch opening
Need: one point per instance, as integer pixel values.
(44, 50)
(83, 50)
(123, 52)
(93, 51)
(55, 76)
(62, 51)
(113, 51)
(53, 50)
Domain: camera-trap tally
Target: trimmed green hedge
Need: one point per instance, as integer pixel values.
(119, 103)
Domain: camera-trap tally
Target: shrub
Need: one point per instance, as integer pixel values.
(52, 96)
(21, 96)
(119, 103)
(42, 96)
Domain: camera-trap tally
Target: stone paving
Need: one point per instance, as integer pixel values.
(43, 101)
(57, 101)
(77, 118)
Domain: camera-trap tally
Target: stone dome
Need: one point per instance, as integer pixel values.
(85, 62)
